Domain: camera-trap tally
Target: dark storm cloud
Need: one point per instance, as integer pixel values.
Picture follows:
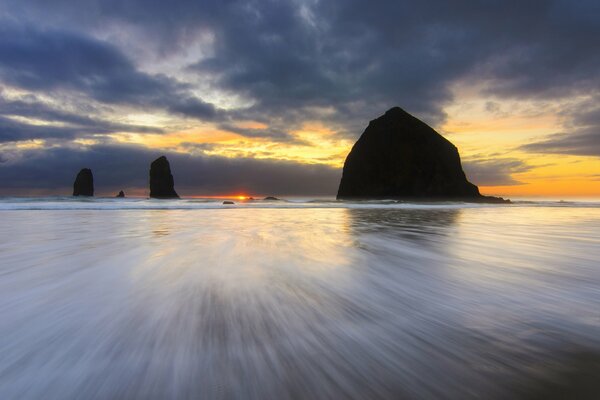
(118, 167)
(36, 59)
(191, 107)
(49, 60)
(495, 171)
(357, 57)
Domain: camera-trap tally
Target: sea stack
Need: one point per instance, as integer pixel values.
(400, 157)
(84, 183)
(120, 194)
(162, 185)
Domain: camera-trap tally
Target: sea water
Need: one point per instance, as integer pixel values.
(149, 299)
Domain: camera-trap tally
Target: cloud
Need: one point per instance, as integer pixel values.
(71, 124)
(58, 60)
(117, 167)
(283, 63)
(583, 120)
(35, 59)
(580, 143)
(190, 106)
(279, 134)
(11, 131)
(494, 172)
(291, 57)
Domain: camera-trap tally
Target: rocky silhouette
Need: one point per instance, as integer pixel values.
(84, 183)
(121, 194)
(228, 202)
(400, 157)
(162, 185)
(271, 198)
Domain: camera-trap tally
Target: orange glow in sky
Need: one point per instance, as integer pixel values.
(481, 127)
(476, 133)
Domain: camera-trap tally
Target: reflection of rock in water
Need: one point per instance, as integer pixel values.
(577, 376)
(467, 338)
(408, 224)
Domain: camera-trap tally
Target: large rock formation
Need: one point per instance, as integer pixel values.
(161, 180)
(400, 157)
(84, 183)
(121, 194)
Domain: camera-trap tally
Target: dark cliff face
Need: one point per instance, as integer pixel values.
(84, 183)
(161, 180)
(400, 157)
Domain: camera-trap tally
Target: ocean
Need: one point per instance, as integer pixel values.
(192, 299)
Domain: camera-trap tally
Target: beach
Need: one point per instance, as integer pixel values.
(150, 299)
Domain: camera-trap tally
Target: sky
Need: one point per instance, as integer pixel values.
(267, 97)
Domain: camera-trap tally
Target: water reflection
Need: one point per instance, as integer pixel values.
(415, 225)
(161, 222)
(577, 377)
(422, 220)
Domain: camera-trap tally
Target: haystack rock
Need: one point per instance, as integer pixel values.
(400, 157)
(84, 183)
(121, 194)
(162, 185)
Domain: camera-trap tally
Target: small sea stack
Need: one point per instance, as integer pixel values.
(227, 202)
(271, 198)
(400, 157)
(162, 185)
(84, 183)
(121, 194)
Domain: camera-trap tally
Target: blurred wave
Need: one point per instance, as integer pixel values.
(378, 301)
